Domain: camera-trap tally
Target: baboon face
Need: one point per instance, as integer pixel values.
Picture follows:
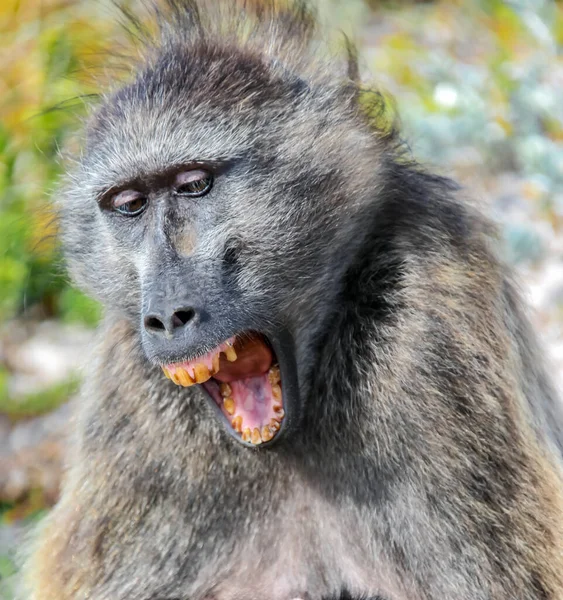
(212, 207)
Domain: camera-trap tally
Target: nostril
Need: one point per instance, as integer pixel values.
(159, 324)
(153, 323)
(182, 317)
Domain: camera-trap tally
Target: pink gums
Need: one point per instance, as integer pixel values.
(205, 359)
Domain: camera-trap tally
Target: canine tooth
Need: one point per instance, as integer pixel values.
(230, 354)
(274, 375)
(267, 435)
(246, 435)
(226, 390)
(201, 373)
(276, 392)
(256, 437)
(184, 377)
(274, 425)
(236, 424)
(229, 405)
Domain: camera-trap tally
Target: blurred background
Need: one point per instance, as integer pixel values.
(478, 85)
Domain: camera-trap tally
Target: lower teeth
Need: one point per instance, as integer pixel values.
(229, 405)
(256, 437)
(267, 434)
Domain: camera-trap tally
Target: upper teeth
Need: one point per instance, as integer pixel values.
(190, 372)
(230, 354)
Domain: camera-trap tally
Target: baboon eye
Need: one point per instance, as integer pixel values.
(129, 203)
(193, 183)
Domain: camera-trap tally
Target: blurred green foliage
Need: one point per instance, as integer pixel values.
(36, 403)
(46, 47)
(478, 90)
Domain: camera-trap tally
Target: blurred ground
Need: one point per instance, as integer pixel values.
(478, 86)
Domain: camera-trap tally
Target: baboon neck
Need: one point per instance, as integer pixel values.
(363, 356)
(367, 304)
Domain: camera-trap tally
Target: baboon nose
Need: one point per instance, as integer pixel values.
(170, 324)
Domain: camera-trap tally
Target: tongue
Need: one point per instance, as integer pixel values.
(253, 405)
(254, 358)
(251, 395)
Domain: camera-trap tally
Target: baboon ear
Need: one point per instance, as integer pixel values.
(298, 84)
(353, 70)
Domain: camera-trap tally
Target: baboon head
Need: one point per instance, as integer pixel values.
(217, 204)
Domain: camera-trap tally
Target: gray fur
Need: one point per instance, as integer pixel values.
(427, 463)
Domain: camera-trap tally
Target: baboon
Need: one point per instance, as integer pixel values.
(314, 376)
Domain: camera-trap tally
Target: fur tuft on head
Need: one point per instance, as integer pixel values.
(284, 33)
(277, 27)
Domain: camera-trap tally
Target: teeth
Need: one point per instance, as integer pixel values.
(256, 437)
(226, 390)
(201, 373)
(274, 375)
(230, 354)
(184, 377)
(237, 424)
(229, 405)
(276, 392)
(267, 435)
(179, 377)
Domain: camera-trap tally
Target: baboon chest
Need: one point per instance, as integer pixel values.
(308, 550)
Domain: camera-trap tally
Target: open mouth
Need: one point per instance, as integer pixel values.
(242, 377)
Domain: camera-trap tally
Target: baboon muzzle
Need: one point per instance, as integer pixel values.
(197, 338)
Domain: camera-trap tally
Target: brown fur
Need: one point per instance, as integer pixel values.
(424, 461)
